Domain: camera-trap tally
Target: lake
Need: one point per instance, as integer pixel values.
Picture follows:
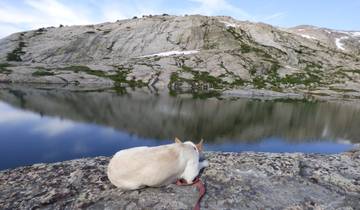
(40, 124)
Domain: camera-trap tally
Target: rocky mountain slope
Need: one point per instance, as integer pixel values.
(190, 52)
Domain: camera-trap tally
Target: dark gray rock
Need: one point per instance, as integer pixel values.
(233, 181)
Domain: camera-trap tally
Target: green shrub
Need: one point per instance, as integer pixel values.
(259, 82)
(41, 73)
(85, 69)
(3, 68)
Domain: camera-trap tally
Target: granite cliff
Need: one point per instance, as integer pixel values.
(180, 53)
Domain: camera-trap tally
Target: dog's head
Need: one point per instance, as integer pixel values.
(198, 147)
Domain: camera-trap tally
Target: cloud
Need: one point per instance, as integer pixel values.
(52, 12)
(52, 8)
(12, 115)
(54, 127)
(48, 126)
(16, 117)
(9, 14)
(23, 15)
(274, 16)
(6, 29)
(114, 10)
(32, 14)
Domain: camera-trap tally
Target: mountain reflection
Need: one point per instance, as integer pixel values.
(163, 117)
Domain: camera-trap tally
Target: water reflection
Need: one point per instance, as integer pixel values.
(29, 138)
(39, 125)
(163, 117)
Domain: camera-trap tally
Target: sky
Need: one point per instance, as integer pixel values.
(21, 15)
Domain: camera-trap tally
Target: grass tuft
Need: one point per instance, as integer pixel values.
(4, 69)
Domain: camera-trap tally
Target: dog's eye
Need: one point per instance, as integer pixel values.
(195, 148)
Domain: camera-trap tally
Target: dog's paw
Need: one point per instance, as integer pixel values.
(204, 163)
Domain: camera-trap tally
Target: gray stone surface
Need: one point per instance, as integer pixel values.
(233, 181)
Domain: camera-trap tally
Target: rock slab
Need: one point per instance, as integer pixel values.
(233, 180)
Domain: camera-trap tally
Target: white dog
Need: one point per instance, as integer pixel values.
(140, 167)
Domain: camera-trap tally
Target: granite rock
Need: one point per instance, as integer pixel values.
(182, 52)
(245, 180)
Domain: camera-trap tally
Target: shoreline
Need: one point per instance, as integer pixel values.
(228, 94)
(248, 180)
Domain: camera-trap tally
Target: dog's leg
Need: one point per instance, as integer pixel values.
(191, 171)
(203, 164)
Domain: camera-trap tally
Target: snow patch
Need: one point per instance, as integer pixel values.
(343, 32)
(228, 24)
(338, 43)
(356, 33)
(290, 67)
(350, 33)
(169, 53)
(307, 36)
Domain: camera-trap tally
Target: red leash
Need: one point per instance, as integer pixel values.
(199, 185)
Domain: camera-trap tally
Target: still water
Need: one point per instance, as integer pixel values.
(47, 125)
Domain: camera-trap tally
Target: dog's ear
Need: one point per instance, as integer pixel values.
(177, 140)
(199, 146)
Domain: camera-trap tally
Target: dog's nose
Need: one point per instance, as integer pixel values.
(195, 179)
